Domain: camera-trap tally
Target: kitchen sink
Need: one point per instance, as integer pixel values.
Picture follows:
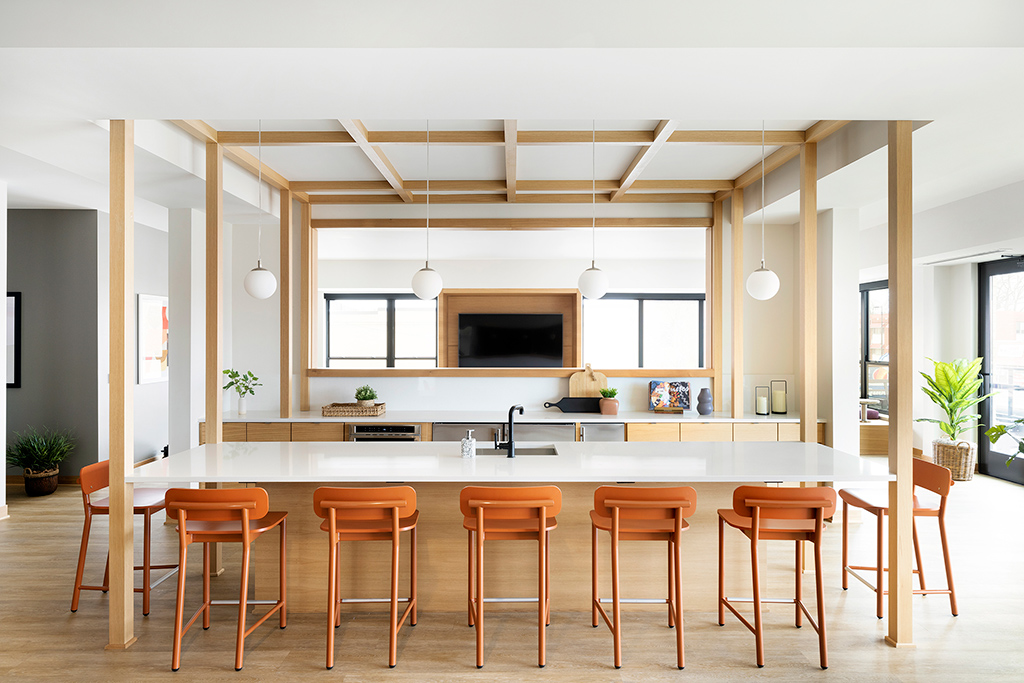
(520, 450)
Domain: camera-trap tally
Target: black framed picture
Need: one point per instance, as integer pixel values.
(13, 340)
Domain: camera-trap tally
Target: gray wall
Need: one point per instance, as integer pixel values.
(52, 262)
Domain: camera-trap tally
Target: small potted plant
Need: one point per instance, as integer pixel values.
(40, 455)
(997, 432)
(365, 396)
(244, 383)
(608, 403)
(954, 388)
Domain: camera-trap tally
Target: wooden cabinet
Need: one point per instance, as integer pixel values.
(268, 431)
(230, 431)
(705, 431)
(652, 431)
(755, 431)
(790, 431)
(318, 431)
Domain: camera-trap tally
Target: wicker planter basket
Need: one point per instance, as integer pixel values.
(960, 458)
(352, 410)
(41, 483)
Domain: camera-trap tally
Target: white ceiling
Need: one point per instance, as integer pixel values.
(468, 65)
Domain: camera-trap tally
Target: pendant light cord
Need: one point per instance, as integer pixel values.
(593, 191)
(259, 194)
(427, 261)
(762, 193)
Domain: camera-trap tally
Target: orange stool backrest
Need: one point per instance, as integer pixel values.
(385, 494)
(511, 494)
(673, 497)
(803, 501)
(935, 478)
(178, 498)
(95, 477)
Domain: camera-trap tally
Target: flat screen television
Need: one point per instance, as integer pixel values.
(510, 340)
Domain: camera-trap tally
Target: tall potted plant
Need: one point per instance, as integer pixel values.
(40, 455)
(954, 388)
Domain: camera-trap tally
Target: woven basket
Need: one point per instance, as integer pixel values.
(352, 410)
(959, 458)
(41, 483)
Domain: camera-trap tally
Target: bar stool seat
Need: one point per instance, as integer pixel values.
(145, 502)
(369, 514)
(521, 513)
(631, 513)
(929, 476)
(224, 516)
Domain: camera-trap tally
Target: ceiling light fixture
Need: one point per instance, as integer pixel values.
(593, 282)
(762, 284)
(426, 283)
(259, 282)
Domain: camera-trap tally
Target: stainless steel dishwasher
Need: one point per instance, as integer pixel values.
(525, 431)
(602, 431)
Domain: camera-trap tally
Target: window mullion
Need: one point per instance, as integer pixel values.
(640, 333)
(391, 332)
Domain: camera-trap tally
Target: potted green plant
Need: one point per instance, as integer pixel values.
(244, 383)
(365, 396)
(608, 403)
(997, 432)
(40, 455)
(954, 388)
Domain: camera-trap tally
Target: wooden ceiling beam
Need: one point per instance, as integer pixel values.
(509, 223)
(510, 159)
(358, 131)
(643, 158)
(583, 186)
(252, 165)
(246, 138)
(200, 130)
(738, 137)
(822, 129)
(553, 198)
(817, 132)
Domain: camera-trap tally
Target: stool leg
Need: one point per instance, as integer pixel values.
(79, 573)
(106, 574)
(721, 570)
(179, 608)
(677, 570)
(242, 596)
(820, 595)
(542, 591)
(413, 576)
(671, 583)
(879, 565)
(332, 596)
(146, 533)
(547, 573)
(480, 592)
(799, 583)
(594, 597)
(206, 586)
(283, 582)
(949, 566)
(846, 517)
(756, 579)
(616, 606)
(917, 553)
(393, 630)
(472, 579)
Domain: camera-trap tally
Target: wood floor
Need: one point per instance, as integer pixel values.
(42, 640)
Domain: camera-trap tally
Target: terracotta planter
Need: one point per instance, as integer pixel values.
(609, 406)
(40, 483)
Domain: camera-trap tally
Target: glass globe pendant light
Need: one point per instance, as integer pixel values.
(763, 283)
(593, 282)
(426, 283)
(259, 282)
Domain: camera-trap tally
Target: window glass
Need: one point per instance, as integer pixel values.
(878, 324)
(392, 330)
(358, 327)
(416, 330)
(611, 336)
(671, 334)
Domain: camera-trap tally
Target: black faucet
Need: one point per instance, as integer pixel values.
(510, 445)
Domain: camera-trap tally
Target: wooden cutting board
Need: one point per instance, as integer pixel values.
(587, 383)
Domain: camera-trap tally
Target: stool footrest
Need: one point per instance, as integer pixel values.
(348, 601)
(638, 601)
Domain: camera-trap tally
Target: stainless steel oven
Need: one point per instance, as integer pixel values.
(373, 432)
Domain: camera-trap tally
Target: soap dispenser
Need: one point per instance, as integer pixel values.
(469, 445)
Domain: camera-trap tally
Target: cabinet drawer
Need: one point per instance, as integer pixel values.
(652, 431)
(753, 431)
(789, 431)
(268, 431)
(230, 431)
(705, 431)
(318, 431)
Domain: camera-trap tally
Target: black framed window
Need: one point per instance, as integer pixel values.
(380, 331)
(874, 343)
(644, 330)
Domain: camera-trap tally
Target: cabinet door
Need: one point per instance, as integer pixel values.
(230, 431)
(705, 431)
(755, 431)
(789, 431)
(318, 431)
(268, 431)
(652, 431)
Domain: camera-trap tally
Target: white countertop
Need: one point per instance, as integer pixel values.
(688, 462)
(548, 415)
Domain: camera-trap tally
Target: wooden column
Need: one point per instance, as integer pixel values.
(713, 310)
(306, 302)
(286, 303)
(214, 291)
(808, 276)
(901, 376)
(738, 293)
(122, 382)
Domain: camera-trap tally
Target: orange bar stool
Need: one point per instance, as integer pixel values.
(368, 514)
(223, 516)
(497, 513)
(929, 476)
(765, 513)
(145, 502)
(641, 514)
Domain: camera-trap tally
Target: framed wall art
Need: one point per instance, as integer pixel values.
(151, 339)
(670, 396)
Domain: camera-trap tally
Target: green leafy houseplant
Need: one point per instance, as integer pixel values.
(365, 393)
(40, 455)
(997, 432)
(243, 383)
(608, 393)
(954, 388)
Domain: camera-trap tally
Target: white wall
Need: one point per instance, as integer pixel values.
(3, 327)
(187, 319)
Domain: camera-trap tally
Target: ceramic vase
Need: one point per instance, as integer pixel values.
(609, 406)
(241, 405)
(705, 404)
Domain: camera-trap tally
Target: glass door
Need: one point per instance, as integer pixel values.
(1001, 340)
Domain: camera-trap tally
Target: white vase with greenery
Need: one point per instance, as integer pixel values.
(244, 383)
